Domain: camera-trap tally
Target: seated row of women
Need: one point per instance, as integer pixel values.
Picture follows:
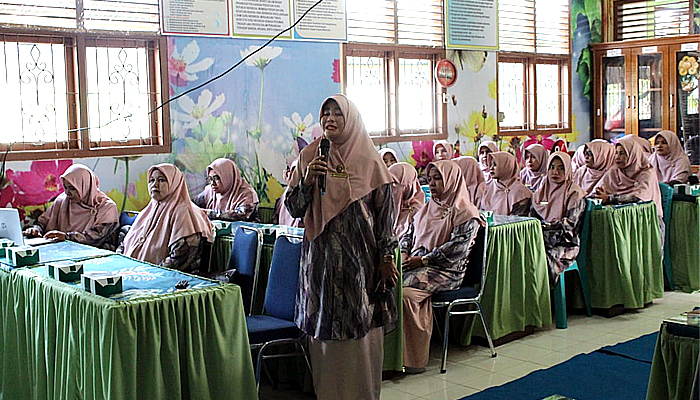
(170, 231)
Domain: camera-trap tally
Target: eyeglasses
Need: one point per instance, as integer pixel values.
(215, 178)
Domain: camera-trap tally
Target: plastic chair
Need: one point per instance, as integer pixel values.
(581, 268)
(276, 325)
(467, 294)
(245, 259)
(667, 205)
(426, 191)
(127, 218)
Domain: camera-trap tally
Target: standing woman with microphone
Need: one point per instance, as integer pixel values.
(344, 302)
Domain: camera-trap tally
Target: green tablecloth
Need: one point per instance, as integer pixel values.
(393, 341)
(516, 294)
(625, 257)
(685, 244)
(60, 342)
(673, 367)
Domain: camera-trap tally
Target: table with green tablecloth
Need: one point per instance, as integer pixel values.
(684, 239)
(516, 293)
(393, 342)
(624, 257)
(62, 251)
(675, 362)
(152, 341)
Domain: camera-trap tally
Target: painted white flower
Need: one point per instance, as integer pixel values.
(271, 159)
(298, 124)
(262, 58)
(182, 67)
(200, 112)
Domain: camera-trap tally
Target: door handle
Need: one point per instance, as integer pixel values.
(670, 101)
(627, 103)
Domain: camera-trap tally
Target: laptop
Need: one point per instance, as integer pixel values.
(11, 228)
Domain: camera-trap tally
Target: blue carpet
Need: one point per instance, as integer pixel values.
(640, 349)
(595, 376)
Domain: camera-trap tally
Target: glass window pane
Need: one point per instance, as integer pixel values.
(366, 88)
(33, 84)
(415, 95)
(510, 94)
(117, 94)
(547, 94)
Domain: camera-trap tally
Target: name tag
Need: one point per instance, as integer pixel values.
(339, 172)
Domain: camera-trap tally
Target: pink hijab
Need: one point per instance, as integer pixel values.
(603, 160)
(637, 177)
(535, 178)
(408, 196)
(505, 190)
(355, 169)
(94, 208)
(674, 166)
(436, 220)
(446, 145)
(485, 170)
(164, 222)
(644, 143)
(473, 178)
(551, 201)
(578, 160)
(237, 191)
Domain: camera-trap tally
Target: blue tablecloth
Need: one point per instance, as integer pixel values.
(139, 279)
(61, 251)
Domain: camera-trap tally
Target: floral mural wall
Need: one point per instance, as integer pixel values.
(260, 115)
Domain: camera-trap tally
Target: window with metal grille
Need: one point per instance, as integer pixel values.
(636, 19)
(389, 62)
(115, 15)
(534, 67)
(79, 92)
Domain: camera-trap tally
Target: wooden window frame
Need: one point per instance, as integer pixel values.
(391, 55)
(530, 62)
(609, 18)
(79, 144)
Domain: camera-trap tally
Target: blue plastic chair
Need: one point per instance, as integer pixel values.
(276, 325)
(127, 218)
(245, 259)
(470, 293)
(426, 191)
(667, 205)
(580, 267)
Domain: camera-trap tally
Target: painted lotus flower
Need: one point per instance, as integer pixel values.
(40, 184)
(262, 58)
(422, 152)
(200, 112)
(183, 67)
(300, 126)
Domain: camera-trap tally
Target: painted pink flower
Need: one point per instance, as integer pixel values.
(546, 140)
(422, 152)
(182, 67)
(336, 71)
(40, 184)
(7, 195)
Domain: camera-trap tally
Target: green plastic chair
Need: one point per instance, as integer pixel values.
(580, 267)
(667, 205)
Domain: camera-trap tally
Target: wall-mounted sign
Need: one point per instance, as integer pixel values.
(471, 24)
(445, 73)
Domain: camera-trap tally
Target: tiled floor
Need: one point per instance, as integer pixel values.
(471, 369)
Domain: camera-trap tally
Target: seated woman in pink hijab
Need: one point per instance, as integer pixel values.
(434, 253)
(644, 143)
(599, 158)
(408, 196)
(559, 204)
(535, 170)
(505, 194)
(486, 148)
(82, 213)
(282, 215)
(473, 178)
(227, 196)
(443, 150)
(578, 160)
(670, 162)
(632, 179)
(171, 230)
(389, 156)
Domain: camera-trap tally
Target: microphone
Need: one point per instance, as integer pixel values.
(323, 151)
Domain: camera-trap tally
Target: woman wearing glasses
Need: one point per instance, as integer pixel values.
(227, 195)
